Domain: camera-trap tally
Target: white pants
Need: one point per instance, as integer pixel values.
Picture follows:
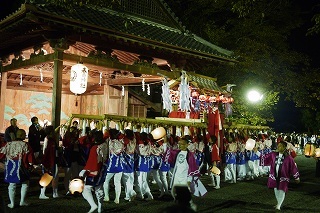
(87, 194)
(241, 171)
(230, 173)
(142, 181)
(128, 181)
(117, 184)
(280, 195)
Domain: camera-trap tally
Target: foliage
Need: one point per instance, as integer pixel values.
(260, 33)
(311, 119)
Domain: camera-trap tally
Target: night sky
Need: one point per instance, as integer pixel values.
(287, 116)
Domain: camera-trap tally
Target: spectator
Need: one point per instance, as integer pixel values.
(11, 132)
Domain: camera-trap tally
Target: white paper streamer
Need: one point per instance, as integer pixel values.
(166, 100)
(148, 89)
(41, 76)
(184, 93)
(21, 80)
(122, 92)
(100, 81)
(143, 85)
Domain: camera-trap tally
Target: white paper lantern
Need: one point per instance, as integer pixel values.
(250, 144)
(309, 149)
(45, 180)
(158, 133)
(76, 185)
(78, 79)
(317, 152)
(215, 170)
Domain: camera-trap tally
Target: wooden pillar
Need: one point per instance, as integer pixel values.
(125, 102)
(3, 88)
(57, 87)
(106, 92)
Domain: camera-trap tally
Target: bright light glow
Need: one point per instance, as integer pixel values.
(254, 96)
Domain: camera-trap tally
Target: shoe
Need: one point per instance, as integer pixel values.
(55, 195)
(150, 197)
(127, 198)
(93, 209)
(43, 197)
(116, 201)
(133, 195)
(11, 206)
(106, 198)
(24, 204)
(161, 195)
(211, 184)
(216, 187)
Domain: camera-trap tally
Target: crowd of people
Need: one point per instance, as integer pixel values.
(133, 157)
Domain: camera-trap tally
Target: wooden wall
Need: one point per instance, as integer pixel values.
(23, 105)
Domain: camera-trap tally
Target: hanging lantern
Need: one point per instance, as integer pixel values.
(317, 152)
(215, 170)
(78, 79)
(76, 185)
(250, 144)
(45, 180)
(158, 133)
(309, 149)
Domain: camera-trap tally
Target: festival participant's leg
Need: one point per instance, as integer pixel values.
(155, 174)
(163, 178)
(12, 193)
(55, 182)
(106, 186)
(43, 193)
(67, 177)
(280, 195)
(117, 185)
(130, 183)
(145, 186)
(100, 195)
(87, 194)
(24, 190)
(217, 177)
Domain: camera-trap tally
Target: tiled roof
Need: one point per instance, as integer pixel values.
(137, 28)
(205, 82)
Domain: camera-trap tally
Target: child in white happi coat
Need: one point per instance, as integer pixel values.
(230, 159)
(142, 165)
(128, 164)
(114, 164)
(241, 161)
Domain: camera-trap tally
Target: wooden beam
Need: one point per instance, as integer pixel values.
(127, 81)
(48, 74)
(17, 64)
(120, 66)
